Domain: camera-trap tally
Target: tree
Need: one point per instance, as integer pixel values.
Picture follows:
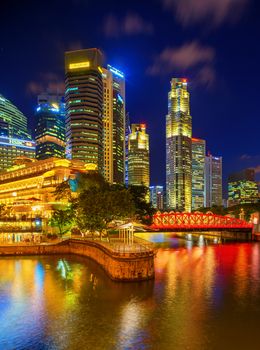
(63, 191)
(143, 208)
(3, 210)
(98, 206)
(62, 219)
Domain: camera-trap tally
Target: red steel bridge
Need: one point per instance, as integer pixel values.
(175, 221)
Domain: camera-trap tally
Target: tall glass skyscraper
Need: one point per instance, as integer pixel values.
(198, 173)
(15, 139)
(118, 125)
(114, 125)
(213, 181)
(157, 197)
(84, 107)
(178, 147)
(50, 126)
(138, 156)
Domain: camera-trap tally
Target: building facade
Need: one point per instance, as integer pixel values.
(15, 139)
(213, 181)
(198, 173)
(127, 133)
(28, 192)
(138, 156)
(50, 126)
(242, 188)
(118, 125)
(84, 107)
(157, 197)
(178, 147)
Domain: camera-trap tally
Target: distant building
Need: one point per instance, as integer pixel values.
(213, 181)
(84, 107)
(50, 126)
(198, 173)
(242, 188)
(157, 197)
(138, 156)
(178, 147)
(15, 139)
(114, 125)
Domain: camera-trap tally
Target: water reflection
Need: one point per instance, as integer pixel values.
(203, 297)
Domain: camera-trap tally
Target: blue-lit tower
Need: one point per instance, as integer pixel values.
(50, 126)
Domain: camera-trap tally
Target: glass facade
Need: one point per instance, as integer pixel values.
(178, 147)
(242, 188)
(15, 140)
(84, 107)
(213, 181)
(157, 197)
(50, 126)
(138, 156)
(198, 173)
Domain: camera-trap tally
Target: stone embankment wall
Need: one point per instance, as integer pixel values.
(120, 267)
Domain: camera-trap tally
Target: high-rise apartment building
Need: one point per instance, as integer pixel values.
(50, 126)
(198, 173)
(114, 125)
(138, 156)
(84, 107)
(157, 197)
(213, 180)
(242, 188)
(178, 147)
(15, 139)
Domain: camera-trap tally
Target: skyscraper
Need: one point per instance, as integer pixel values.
(178, 147)
(127, 133)
(198, 173)
(138, 156)
(118, 125)
(15, 139)
(114, 124)
(50, 126)
(242, 188)
(156, 197)
(213, 180)
(84, 107)
(108, 124)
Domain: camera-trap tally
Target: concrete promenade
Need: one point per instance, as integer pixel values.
(121, 262)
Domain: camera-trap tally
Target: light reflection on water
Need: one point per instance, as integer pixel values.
(203, 297)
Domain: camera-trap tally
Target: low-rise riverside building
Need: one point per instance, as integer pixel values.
(28, 192)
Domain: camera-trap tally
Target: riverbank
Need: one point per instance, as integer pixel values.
(121, 262)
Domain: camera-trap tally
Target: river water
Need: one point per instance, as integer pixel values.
(203, 297)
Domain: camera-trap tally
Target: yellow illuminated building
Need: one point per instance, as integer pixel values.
(178, 147)
(138, 156)
(27, 189)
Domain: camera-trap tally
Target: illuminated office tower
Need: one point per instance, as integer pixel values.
(114, 125)
(50, 126)
(242, 188)
(118, 125)
(213, 180)
(156, 197)
(178, 147)
(138, 156)
(127, 133)
(84, 107)
(15, 140)
(108, 124)
(198, 173)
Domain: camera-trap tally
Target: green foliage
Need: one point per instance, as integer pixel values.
(97, 206)
(62, 219)
(143, 209)
(63, 191)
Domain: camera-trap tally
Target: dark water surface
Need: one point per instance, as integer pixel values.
(203, 297)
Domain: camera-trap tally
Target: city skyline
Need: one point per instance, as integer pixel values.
(217, 105)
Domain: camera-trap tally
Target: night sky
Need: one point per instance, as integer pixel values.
(213, 43)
